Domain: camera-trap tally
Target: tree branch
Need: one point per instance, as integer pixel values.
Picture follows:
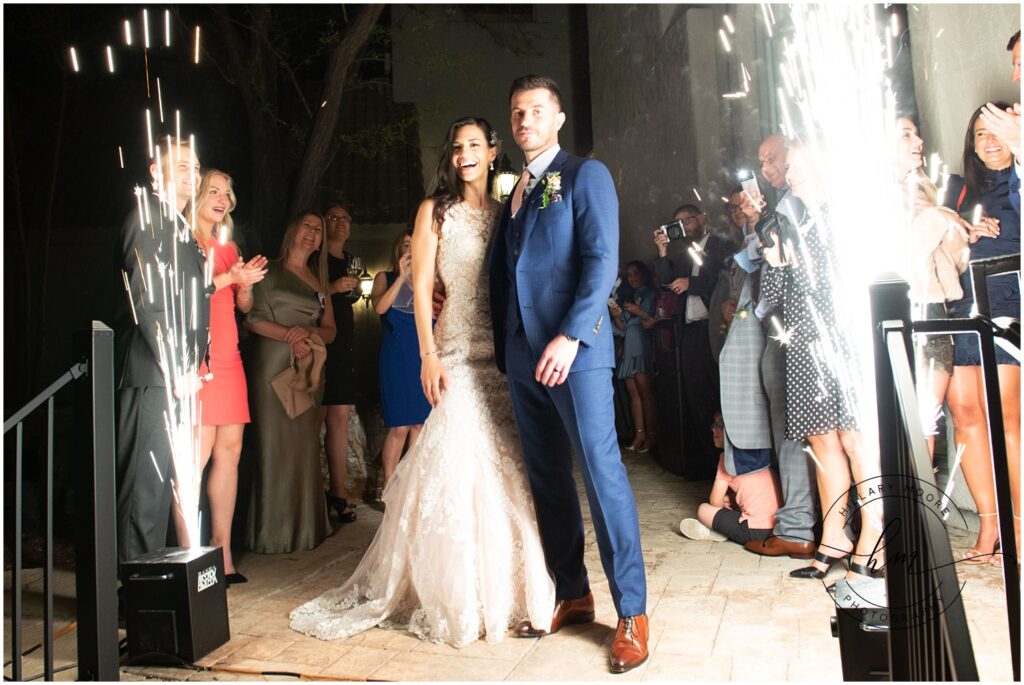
(319, 151)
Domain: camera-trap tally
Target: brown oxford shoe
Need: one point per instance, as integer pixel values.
(773, 546)
(629, 648)
(567, 612)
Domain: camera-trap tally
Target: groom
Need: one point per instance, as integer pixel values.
(552, 265)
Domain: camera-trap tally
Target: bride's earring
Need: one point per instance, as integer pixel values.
(491, 167)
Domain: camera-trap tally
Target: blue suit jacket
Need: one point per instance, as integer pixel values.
(567, 264)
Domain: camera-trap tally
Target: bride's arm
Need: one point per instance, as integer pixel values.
(424, 253)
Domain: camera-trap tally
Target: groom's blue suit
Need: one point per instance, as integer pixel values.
(551, 271)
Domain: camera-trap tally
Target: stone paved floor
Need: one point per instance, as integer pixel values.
(717, 613)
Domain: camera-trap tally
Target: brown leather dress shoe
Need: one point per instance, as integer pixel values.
(773, 546)
(567, 612)
(629, 648)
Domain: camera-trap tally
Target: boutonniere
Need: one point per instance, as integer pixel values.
(552, 188)
(742, 313)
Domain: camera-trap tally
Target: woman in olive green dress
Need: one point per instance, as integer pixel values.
(287, 510)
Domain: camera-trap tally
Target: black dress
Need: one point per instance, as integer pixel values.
(340, 367)
(821, 372)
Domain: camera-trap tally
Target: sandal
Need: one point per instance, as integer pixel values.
(638, 444)
(813, 573)
(340, 506)
(977, 557)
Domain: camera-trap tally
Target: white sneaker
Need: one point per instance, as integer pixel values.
(695, 530)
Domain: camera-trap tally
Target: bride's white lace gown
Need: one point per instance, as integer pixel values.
(458, 553)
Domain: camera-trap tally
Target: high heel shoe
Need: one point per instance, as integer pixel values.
(339, 504)
(976, 557)
(813, 573)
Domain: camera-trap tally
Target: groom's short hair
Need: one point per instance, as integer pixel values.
(532, 82)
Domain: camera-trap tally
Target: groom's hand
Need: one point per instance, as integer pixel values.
(553, 367)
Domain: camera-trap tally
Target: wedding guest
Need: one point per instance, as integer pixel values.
(820, 373)
(287, 510)
(735, 227)
(404, 405)
(635, 318)
(692, 271)
(340, 389)
(938, 242)
(144, 454)
(795, 521)
(988, 182)
(748, 513)
(222, 404)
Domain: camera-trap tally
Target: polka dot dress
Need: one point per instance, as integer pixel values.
(819, 366)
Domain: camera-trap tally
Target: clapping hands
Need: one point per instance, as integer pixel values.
(247, 274)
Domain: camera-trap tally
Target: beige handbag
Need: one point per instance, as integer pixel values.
(296, 386)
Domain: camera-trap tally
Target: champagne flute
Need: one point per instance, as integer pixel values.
(355, 269)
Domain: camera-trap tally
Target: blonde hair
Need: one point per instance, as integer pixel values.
(317, 260)
(203, 196)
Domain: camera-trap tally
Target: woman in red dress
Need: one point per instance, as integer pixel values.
(223, 406)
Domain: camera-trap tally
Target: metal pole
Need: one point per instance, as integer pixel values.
(96, 566)
(16, 571)
(1004, 500)
(48, 514)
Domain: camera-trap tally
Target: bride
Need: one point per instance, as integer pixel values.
(458, 554)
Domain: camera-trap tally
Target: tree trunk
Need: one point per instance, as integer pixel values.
(320, 149)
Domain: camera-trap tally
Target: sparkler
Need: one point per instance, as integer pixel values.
(145, 29)
(127, 33)
(167, 28)
(110, 59)
(120, 156)
(74, 59)
(197, 46)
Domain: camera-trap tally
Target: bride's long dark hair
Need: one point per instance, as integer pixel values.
(448, 188)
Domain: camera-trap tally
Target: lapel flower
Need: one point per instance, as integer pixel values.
(552, 188)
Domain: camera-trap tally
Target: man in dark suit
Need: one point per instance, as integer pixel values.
(162, 267)
(693, 272)
(552, 265)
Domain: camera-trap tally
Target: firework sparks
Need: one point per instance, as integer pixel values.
(159, 100)
(145, 29)
(110, 59)
(120, 156)
(728, 23)
(725, 40)
(197, 46)
(73, 55)
(167, 28)
(127, 33)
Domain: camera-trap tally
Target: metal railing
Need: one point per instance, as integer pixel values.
(928, 636)
(96, 571)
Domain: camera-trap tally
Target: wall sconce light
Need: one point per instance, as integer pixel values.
(365, 286)
(505, 178)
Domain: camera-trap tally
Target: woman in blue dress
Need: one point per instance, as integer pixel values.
(634, 319)
(401, 395)
(990, 181)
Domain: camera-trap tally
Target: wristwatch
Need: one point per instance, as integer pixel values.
(569, 337)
